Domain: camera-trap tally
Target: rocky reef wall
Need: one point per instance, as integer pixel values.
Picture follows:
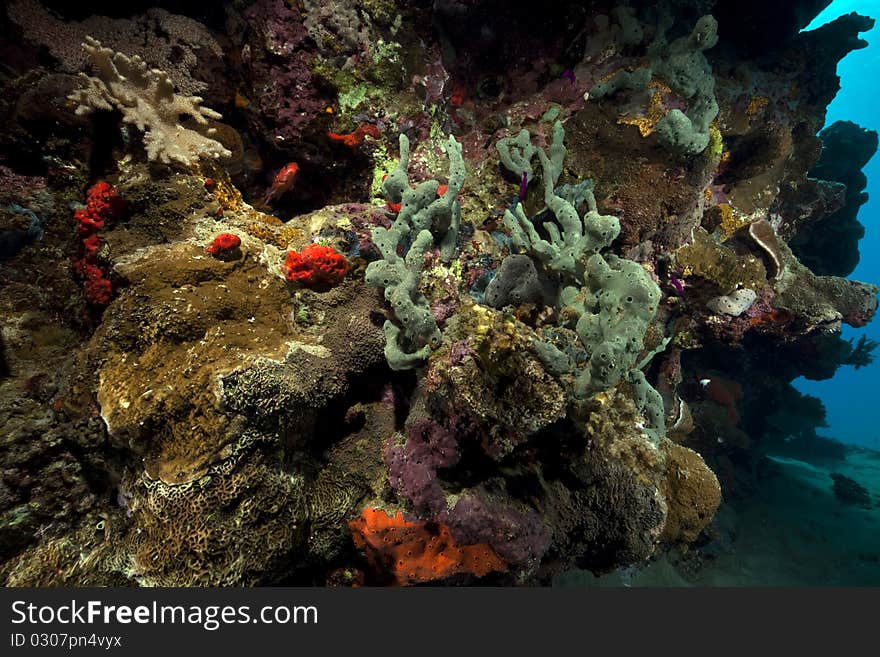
(401, 293)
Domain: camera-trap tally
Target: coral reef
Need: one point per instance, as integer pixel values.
(455, 297)
(424, 211)
(685, 69)
(279, 88)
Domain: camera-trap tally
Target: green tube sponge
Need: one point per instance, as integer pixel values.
(398, 359)
(516, 154)
(650, 404)
(400, 278)
(578, 237)
(623, 80)
(424, 214)
(688, 73)
(612, 301)
(422, 208)
(396, 182)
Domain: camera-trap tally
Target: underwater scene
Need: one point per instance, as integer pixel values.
(346, 293)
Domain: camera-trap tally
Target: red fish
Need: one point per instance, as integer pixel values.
(458, 95)
(283, 182)
(724, 392)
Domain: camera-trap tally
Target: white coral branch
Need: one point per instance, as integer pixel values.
(147, 100)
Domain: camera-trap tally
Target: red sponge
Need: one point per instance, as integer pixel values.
(316, 265)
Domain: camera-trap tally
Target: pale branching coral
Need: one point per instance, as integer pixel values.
(147, 100)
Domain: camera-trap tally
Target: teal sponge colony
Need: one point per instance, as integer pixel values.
(578, 237)
(608, 303)
(422, 208)
(425, 214)
(686, 70)
(613, 309)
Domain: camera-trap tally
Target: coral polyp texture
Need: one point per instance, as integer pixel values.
(451, 297)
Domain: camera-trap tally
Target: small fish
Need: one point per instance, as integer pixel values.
(569, 75)
(458, 95)
(283, 182)
(524, 186)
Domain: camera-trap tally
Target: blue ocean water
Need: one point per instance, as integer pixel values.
(851, 396)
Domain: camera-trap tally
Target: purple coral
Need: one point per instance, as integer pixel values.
(279, 61)
(459, 351)
(444, 309)
(518, 536)
(181, 46)
(412, 467)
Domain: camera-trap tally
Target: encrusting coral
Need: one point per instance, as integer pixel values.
(417, 552)
(103, 205)
(315, 265)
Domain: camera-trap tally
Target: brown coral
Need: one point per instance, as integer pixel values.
(692, 494)
(184, 320)
(243, 523)
(720, 265)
